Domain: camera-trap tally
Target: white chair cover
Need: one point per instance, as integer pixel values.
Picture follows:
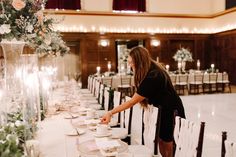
(122, 132)
(230, 149)
(150, 123)
(116, 102)
(186, 137)
(136, 123)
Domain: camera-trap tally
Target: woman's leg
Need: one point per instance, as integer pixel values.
(166, 148)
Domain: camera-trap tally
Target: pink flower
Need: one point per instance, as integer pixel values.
(18, 4)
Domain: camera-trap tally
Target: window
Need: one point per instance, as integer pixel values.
(129, 5)
(63, 4)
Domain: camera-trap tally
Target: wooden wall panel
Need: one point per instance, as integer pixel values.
(219, 49)
(224, 52)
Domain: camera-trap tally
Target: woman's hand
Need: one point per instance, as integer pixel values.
(106, 118)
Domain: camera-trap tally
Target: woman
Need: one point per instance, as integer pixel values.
(153, 86)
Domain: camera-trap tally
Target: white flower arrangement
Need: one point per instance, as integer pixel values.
(183, 54)
(124, 55)
(24, 20)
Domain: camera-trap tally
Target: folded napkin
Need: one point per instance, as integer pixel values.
(107, 144)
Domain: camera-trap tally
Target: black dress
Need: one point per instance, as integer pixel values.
(159, 91)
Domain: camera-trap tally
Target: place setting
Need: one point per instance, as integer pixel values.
(75, 132)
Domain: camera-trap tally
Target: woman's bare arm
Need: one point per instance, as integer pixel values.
(134, 100)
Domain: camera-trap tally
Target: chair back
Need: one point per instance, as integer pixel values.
(188, 137)
(213, 77)
(125, 80)
(151, 121)
(89, 83)
(127, 114)
(225, 77)
(107, 81)
(198, 78)
(93, 86)
(173, 79)
(101, 94)
(228, 148)
(106, 98)
(136, 125)
(97, 88)
(182, 79)
(116, 102)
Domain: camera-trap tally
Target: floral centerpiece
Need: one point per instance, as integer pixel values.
(24, 20)
(183, 54)
(124, 55)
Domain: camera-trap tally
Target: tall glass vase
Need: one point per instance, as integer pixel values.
(12, 74)
(183, 66)
(30, 83)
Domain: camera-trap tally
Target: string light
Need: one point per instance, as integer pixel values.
(103, 29)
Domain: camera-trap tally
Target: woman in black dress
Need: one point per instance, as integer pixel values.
(153, 86)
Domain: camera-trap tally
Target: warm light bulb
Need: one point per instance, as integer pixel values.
(98, 69)
(167, 67)
(104, 43)
(109, 66)
(155, 43)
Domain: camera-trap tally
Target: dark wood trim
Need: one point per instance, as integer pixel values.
(156, 15)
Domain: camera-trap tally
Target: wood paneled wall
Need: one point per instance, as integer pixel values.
(223, 53)
(219, 49)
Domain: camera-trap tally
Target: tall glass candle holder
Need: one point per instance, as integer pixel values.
(109, 66)
(212, 67)
(198, 64)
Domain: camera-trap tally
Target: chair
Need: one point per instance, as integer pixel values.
(107, 81)
(125, 86)
(101, 95)
(136, 125)
(173, 79)
(209, 82)
(125, 122)
(150, 135)
(97, 88)
(106, 98)
(223, 81)
(228, 148)
(181, 83)
(188, 137)
(196, 84)
(106, 101)
(116, 102)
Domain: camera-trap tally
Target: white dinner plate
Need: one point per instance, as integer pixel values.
(102, 135)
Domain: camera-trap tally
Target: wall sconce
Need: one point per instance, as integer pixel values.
(104, 43)
(155, 42)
